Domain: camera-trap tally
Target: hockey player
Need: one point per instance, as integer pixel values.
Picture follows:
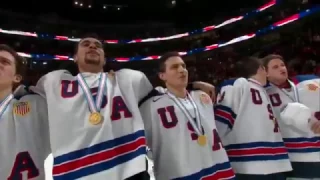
(24, 143)
(303, 146)
(96, 129)
(248, 128)
(180, 129)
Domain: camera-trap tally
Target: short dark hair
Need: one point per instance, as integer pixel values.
(164, 58)
(249, 66)
(270, 57)
(19, 61)
(88, 35)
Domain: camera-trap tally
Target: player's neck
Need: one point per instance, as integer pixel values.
(177, 91)
(90, 69)
(4, 92)
(259, 79)
(282, 84)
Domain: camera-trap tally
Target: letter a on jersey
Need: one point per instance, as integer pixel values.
(23, 163)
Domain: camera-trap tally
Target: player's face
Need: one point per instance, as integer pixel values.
(90, 51)
(277, 71)
(175, 73)
(7, 70)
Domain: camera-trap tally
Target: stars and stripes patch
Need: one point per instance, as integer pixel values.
(22, 108)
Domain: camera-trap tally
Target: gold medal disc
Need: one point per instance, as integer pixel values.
(202, 140)
(95, 118)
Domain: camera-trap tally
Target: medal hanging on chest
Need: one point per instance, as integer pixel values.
(95, 116)
(202, 140)
(194, 122)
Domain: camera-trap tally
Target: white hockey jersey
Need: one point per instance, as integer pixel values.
(24, 142)
(173, 141)
(248, 130)
(302, 147)
(114, 149)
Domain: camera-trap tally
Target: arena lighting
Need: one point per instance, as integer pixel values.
(260, 32)
(153, 39)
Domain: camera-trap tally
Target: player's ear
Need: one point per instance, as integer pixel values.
(162, 76)
(265, 71)
(75, 58)
(17, 78)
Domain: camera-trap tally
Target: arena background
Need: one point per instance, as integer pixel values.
(210, 35)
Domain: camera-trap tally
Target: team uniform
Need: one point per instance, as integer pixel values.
(303, 145)
(24, 143)
(172, 128)
(107, 144)
(249, 131)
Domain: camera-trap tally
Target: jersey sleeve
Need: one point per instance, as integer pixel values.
(45, 80)
(228, 105)
(40, 86)
(40, 121)
(140, 83)
(147, 117)
(44, 123)
(142, 86)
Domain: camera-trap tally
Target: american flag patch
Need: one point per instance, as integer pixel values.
(22, 108)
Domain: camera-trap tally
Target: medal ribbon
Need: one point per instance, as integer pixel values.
(94, 104)
(4, 104)
(295, 92)
(195, 124)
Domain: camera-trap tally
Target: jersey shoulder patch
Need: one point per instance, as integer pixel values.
(202, 96)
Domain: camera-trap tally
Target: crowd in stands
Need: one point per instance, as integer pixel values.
(300, 49)
(299, 44)
(247, 25)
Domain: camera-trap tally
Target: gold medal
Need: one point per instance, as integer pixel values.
(202, 140)
(95, 118)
